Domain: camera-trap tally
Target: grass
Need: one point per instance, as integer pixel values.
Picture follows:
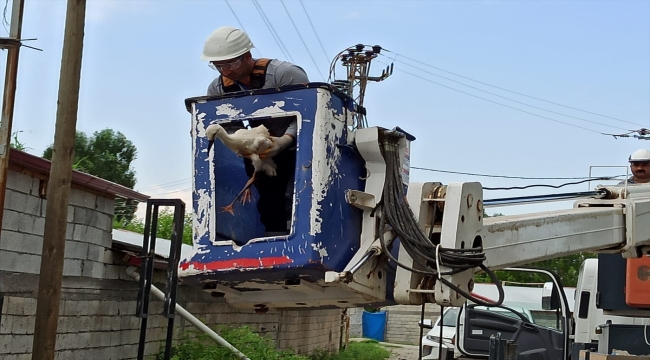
(362, 350)
(199, 347)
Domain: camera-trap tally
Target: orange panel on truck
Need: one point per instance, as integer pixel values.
(637, 282)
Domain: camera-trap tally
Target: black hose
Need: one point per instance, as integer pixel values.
(394, 211)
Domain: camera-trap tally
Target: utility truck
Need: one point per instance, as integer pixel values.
(361, 234)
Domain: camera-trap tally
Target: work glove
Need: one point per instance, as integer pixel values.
(279, 144)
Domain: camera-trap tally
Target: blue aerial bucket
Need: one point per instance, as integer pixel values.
(233, 256)
(374, 325)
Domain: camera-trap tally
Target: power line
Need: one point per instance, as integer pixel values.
(549, 186)
(510, 177)
(275, 35)
(5, 23)
(510, 91)
(498, 103)
(239, 22)
(163, 185)
(503, 97)
(302, 40)
(171, 192)
(315, 32)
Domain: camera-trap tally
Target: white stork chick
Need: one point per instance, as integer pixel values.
(248, 143)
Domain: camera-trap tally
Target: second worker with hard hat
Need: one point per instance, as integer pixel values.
(640, 167)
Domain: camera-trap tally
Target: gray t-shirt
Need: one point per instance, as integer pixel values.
(278, 73)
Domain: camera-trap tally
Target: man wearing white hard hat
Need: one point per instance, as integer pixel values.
(228, 50)
(640, 167)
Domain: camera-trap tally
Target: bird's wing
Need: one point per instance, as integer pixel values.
(258, 131)
(261, 131)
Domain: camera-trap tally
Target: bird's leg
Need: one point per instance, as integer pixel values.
(246, 191)
(244, 194)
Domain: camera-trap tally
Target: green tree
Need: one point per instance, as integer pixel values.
(108, 154)
(165, 226)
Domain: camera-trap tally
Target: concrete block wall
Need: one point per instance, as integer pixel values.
(108, 329)
(97, 308)
(308, 330)
(402, 322)
(88, 233)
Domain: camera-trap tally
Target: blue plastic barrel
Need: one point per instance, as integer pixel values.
(374, 325)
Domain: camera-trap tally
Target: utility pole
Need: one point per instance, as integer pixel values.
(58, 186)
(11, 74)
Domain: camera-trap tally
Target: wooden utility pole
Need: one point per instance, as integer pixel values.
(58, 186)
(9, 96)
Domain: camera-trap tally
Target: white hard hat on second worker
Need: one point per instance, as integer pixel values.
(641, 155)
(226, 43)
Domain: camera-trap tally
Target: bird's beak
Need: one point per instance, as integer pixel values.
(210, 143)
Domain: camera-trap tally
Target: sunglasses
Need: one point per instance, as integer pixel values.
(227, 66)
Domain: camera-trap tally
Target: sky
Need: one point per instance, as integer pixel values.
(462, 69)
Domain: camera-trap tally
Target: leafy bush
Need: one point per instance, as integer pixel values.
(165, 226)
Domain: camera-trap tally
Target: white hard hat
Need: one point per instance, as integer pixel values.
(226, 43)
(641, 155)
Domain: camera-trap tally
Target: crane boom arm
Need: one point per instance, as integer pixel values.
(618, 224)
(520, 240)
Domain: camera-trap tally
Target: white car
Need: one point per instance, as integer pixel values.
(431, 342)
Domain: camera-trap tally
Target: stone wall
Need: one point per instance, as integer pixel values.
(98, 298)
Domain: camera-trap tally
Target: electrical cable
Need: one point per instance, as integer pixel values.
(496, 102)
(274, 33)
(509, 99)
(171, 192)
(6, 23)
(238, 21)
(506, 176)
(510, 91)
(332, 72)
(393, 211)
(546, 185)
(302, 40)
(315, 32)
(539, 198)
(167, 184)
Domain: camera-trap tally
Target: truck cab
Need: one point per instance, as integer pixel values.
(536, 337)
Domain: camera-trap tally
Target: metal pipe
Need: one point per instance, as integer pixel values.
(541, 198)
(133, 272)
(363, 260)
